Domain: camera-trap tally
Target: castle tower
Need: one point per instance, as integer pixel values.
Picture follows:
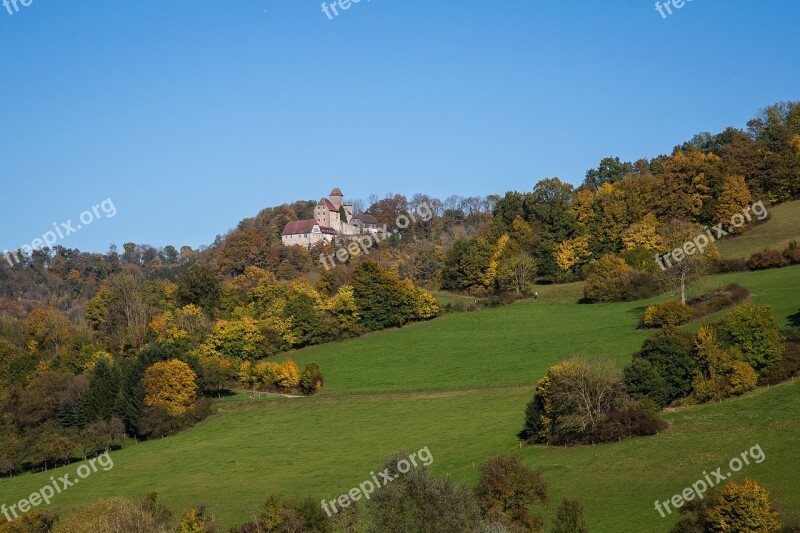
(337, 198)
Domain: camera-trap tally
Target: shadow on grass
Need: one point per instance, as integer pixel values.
(795, 319)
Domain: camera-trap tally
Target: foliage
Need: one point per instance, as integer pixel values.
(197, 520)
(569, 518)
(417, 502)
(671, 352)
(506, 488)
(111, 515)
(670, 313)
(170, 385)
(754, 330)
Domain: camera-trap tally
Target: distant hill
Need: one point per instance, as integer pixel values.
(782, 228)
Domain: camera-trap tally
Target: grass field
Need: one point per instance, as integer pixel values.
(458, 385)
(782, 228)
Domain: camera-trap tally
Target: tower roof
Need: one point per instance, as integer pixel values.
(336, 192)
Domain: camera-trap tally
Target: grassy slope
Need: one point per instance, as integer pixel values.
(458, 385)
(782, 228)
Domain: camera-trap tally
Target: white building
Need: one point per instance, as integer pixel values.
(332, 218)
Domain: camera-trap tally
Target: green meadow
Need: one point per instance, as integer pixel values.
(458, 385)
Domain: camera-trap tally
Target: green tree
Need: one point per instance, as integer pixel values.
(199, 285)
(754, 329)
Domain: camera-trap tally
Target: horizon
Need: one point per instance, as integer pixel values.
(189, 136)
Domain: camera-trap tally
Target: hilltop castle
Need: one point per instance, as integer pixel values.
(332, 218)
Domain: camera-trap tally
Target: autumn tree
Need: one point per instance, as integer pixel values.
(506, 488)
(171, 385)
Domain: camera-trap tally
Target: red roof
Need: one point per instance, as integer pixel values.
(327, 203)
(302, 227)
(366, 218)
(336, 192)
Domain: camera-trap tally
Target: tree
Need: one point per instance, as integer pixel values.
(569, 518)
(311, 380)
(642, 380)
(754, 329)
(720, 370)
(506, 488)
(197, 520)
(679, 274)
(171, 385)
(734, 199)
(742, 506)
(201, 286)
(111, 515)
(671, 352)
(417, 502)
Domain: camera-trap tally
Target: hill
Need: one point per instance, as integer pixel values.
(777, 232)
(458, 385)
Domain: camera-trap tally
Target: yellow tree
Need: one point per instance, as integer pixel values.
(171, 385)
(642, 234)
(572, 253)
(735, 197)
(742, 506)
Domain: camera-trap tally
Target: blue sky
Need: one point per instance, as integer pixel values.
(192, 115)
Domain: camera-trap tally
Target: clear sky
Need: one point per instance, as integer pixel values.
(194, 114)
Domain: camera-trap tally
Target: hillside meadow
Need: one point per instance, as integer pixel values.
(459, 386)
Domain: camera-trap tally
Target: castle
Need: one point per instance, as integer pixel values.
(332, 219)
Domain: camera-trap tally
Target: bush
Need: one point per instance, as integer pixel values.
(718, 299)
(626, 423)
(311, 380)
(670, 351)
(569, 518)
(506, 488)
(642, 380)
(767, 259)
(416, 501)
(792, 254)
(725, 266)
(671, 313)
(111, 515)
(755, 331)
(787, 368)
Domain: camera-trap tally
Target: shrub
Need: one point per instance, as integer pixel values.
(569, 518)
(671, 313)
(571, 400)
(787, 368)
(721, 371)
(767, 259)
(725, 266)
(311, 380)
(792, 254)
(416, 501)
(266, 374)
(642, 380)
(626, 423)
(670, 351)
(506, 487)
(755, 331)
(288, 377)
(111, 515)
(197, 520)
(31, 522)
(718, 299)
